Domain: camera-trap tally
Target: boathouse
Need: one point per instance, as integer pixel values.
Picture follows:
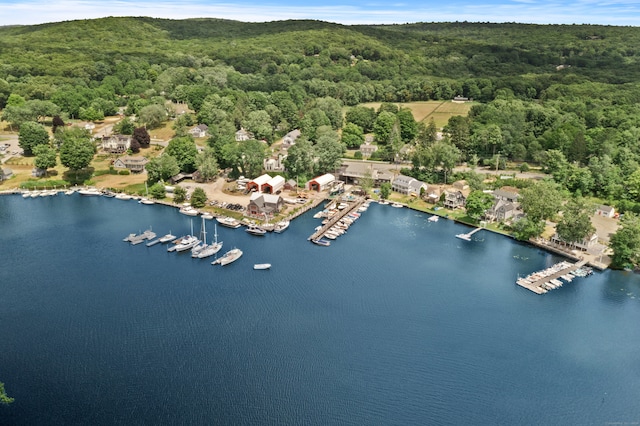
(275, 185)
(321, 183)
(256, 184)
(264, 205)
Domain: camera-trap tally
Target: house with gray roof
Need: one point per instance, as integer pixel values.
(407, 185)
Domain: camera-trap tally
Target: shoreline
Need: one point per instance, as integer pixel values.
(544, 245)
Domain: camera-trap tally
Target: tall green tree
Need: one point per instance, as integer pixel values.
(152, 116)
(46, 157)
(198, 198)
(185, 151)
(625, 243)
(575, 224)
(352, 136)
(541, 201)
(31, 135)
(329, 153)
(77, 149)
(207, 165)
(477, 203)
(161, 168)
(300, 159)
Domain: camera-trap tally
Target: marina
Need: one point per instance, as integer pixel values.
(547, 279)
(339, 215)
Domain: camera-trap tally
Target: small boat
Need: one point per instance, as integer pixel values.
(230, 256)
(256, 230)
(397, 205)
(167, 238)
(207, 215)
(108, 194)
(321, 242)
(433, 218)
(229, 222)
(89, 192)
(189, 211)
(383, 202)
(262, 266)
(281, 226)
(69, 192)
(146, 201)
(187, 243)
(123, 196)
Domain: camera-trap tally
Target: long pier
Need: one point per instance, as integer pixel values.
(333, 220)
(467, 237)
(537, 284)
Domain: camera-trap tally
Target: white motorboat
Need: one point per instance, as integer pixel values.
(261, 266)
(189, 211)
(207, 215)
(229, 222)
(146, 201)
(89, 192)
(256, 230)
(281, 226)
(230, 256)
(167, 238)
(123, 196)
(187, 243)
(397, 205)
(434, 218)
(321, 242)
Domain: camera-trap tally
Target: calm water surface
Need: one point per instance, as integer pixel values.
(398, 322)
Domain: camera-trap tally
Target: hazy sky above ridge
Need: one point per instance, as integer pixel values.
(607, 12)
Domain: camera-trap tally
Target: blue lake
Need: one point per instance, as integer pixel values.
(398, 322)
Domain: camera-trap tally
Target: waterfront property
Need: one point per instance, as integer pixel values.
(133, 163)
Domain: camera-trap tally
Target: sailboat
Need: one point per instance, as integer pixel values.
(146, 200)
(211, 249)
(199, 247)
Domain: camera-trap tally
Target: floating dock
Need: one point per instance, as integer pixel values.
(353, 206)
(538, 282)
(467, 237)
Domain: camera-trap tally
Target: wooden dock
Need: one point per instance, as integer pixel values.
(536, 284)
(354, 205)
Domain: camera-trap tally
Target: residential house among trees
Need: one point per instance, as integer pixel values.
(199, 131)
(408, 186)
(264, 205)
(243, 135)
(457, 195)
(135, 164)
(500, 211)
(290, 138)
(367, 149)
(116, 144)
(274, 164)
(606, 211)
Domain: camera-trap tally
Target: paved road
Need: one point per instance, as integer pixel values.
(13, 150)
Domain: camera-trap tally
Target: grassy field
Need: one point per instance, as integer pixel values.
(440, 111)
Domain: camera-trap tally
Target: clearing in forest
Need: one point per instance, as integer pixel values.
(440, 111)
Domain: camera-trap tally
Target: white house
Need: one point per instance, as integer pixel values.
(133, 163)
(243, 135)
(116, 144)
(290, 138)
(407, 185)
(199, 131)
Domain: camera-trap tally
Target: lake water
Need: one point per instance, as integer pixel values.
(398, 322)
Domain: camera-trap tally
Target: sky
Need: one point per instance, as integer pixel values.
(348, 12)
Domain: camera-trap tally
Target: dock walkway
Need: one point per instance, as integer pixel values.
(535, 282)
(354, 205)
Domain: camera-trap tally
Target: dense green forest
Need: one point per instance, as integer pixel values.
(562, 96)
